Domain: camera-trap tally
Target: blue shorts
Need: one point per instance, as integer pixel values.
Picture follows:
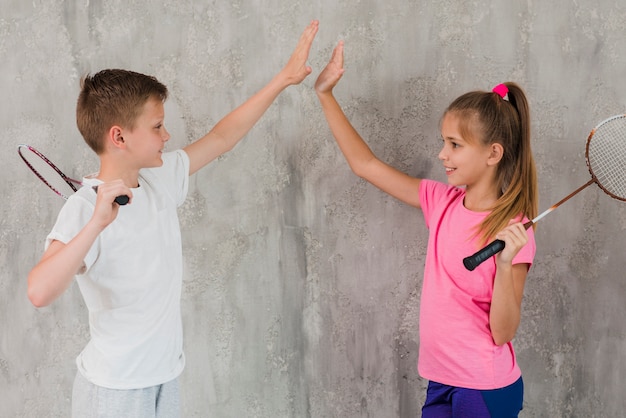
(443, 401)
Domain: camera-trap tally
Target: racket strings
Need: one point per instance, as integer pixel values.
(606, 156)
(46, 172)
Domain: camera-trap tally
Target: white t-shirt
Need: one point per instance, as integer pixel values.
(132, 281)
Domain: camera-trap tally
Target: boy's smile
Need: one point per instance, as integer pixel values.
(146, 140)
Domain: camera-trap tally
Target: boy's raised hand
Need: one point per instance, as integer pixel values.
(235, 125)
(296, 68)
(330, 76)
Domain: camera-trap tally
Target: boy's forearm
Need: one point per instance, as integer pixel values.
(58, 266)
(234, 126)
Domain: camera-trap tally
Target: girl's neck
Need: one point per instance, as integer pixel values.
(480, 199)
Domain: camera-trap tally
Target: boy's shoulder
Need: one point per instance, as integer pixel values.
(171, 178)
(86, 195)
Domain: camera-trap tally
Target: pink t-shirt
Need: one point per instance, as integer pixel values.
(456, 346)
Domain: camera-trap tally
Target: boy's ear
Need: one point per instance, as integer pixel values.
(496, 153)
(114, 137)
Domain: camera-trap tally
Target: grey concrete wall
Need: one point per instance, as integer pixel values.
(302, 282)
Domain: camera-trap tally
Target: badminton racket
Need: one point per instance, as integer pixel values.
(52, 176)
(606, 160)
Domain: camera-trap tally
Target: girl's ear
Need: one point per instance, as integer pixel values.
(496, 153)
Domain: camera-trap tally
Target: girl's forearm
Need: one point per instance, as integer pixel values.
(355, 150)
(505, 313)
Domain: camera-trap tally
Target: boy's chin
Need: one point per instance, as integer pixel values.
(156, 163)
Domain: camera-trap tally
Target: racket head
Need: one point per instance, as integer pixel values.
(47, 172)
(606, 156)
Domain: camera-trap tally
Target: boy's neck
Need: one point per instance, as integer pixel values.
(109, 172)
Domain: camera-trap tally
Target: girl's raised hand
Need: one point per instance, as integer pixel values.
(330, 76)
(296, 68)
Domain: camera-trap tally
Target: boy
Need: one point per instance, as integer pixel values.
(128, 260)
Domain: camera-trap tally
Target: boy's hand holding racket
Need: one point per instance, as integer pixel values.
(107, 206)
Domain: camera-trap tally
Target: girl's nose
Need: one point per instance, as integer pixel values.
(442, 154)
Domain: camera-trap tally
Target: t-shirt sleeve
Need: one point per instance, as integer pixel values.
(72, 218)
(431, 193)
(174, 175)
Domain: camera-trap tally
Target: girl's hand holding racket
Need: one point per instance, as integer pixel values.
(514, 237)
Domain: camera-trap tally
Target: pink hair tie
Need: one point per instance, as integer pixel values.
(502, 90)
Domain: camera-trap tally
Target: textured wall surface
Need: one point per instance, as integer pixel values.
(302, 282)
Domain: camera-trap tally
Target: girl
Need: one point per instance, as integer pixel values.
(467, 319)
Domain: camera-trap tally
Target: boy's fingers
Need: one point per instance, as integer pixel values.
(309, 33)
(306, 40)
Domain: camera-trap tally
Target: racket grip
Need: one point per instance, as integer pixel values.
(120, 200)
(488, 251)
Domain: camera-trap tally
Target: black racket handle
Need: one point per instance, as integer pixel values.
(476, 259)
(490, 250)
(120, 200)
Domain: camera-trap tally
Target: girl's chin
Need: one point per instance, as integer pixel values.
(451, 182)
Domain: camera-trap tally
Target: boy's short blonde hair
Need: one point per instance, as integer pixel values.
(113, 97)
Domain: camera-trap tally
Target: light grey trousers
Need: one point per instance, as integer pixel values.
(91, 401)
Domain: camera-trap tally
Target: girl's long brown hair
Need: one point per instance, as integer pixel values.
(489, 118)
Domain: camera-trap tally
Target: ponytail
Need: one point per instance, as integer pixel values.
(503, 117)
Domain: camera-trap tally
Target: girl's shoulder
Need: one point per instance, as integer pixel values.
(434, 191)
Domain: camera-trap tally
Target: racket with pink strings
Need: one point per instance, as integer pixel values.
(606, 160)
(52, 176)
